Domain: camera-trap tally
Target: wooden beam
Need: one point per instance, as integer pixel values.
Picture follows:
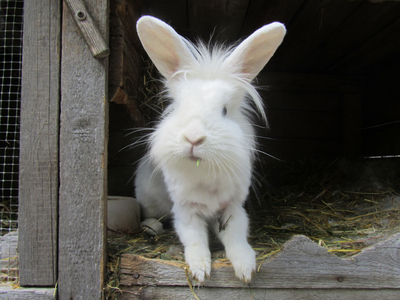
(261, 12)
(301, 264)
(350, 40)
(174, 14)
(125, 60)
(11, 293)
(371, 52)
(303, 82)
(83, 161)
(172, 293)
(38, 174)
(309, 28)
(222, 19)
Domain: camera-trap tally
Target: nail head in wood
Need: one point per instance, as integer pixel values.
(87, 26)
(80, 15)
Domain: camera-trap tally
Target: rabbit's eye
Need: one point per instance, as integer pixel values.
(224, 111)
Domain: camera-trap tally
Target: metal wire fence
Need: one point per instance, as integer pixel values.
(11, 25)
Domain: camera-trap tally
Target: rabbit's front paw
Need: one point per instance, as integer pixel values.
(199, 263)
(243, 260)
(152, 226)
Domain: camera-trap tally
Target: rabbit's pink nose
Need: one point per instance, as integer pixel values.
(196, 141)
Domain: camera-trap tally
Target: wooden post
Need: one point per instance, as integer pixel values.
(83, 160)
(38, 174)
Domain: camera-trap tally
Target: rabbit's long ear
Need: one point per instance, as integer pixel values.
(254, 52)
(165, 47)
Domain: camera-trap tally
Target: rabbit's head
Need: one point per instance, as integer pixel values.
(207, 123)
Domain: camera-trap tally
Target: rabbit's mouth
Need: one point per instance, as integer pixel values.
(194, 158)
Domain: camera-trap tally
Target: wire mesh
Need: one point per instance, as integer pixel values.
(11, 25)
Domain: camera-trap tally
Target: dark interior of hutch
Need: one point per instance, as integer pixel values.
(331, 90)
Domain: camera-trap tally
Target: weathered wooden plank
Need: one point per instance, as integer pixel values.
(125, 80)
(302, 82)
(301, 264)
(374, 49)
(174, 14)
(38, 173)
(293, 149)
(312, 24)
(352, 34)
(93, 38)
(308, 101)
(9, 256)
(11, 293)
(83, 161)
(304, 124)
(261, 12)
(173, 293)
(222, 18)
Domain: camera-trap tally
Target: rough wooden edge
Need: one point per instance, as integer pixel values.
(125, 59)
(38, 173)
(173, 293)
(9, 292)
(83, 161)
(9, 256)
(300, 264)
(84, 21)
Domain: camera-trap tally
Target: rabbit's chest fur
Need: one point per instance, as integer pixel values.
(200, 192)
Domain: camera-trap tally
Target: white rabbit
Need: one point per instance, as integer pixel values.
(199, 164)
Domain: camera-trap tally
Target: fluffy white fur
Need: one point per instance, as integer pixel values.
(199, 164)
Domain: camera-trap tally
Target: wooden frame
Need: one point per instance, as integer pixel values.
(38, 185)
(63, 190)
(301, 270)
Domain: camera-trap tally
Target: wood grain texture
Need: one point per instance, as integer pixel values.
(288, 149)
(38, 177)
(92, 35)
(304, 124)
(350, 36)
(372, 51)
(222, 19)
(301, 264)
(303, 82)
(10, 293)
(183, 293)
(309, 28)
(306, 101)
(125, 80)
(261, 12)
(173, 14)
(83, 161)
